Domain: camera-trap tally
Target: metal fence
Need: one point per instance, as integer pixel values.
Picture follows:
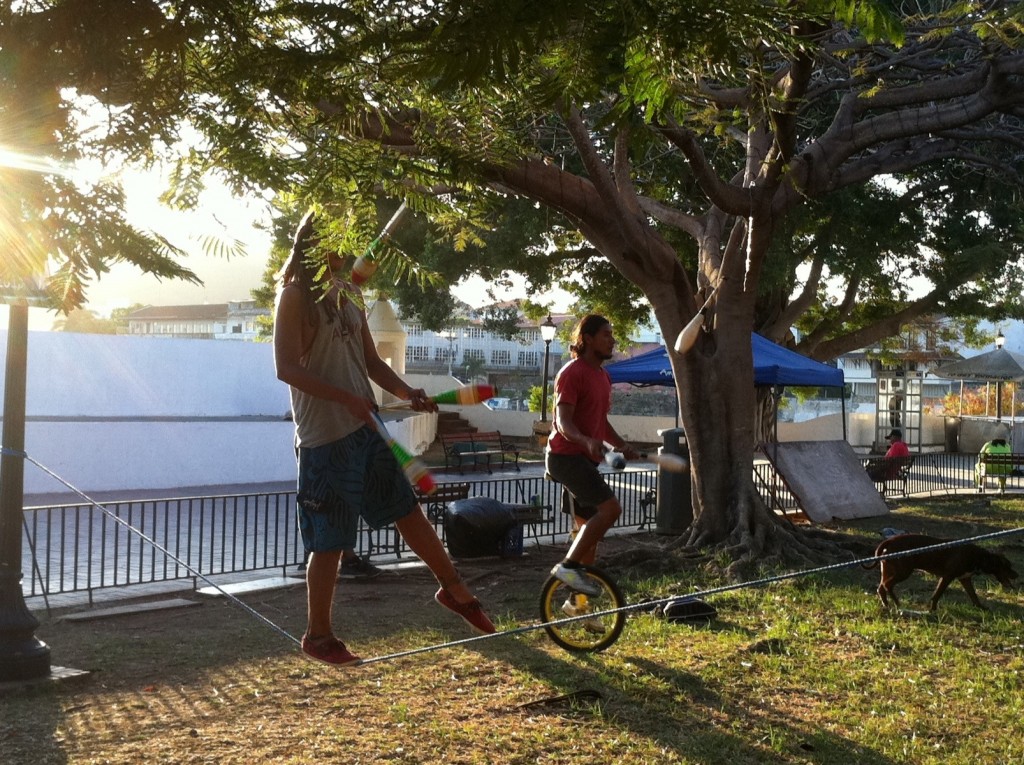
(930, 474)
(81, 548)
(77, 548)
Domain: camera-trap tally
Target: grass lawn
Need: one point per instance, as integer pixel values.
(808, 670)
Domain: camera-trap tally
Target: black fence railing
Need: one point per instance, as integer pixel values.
(76, 548)
(80, 548)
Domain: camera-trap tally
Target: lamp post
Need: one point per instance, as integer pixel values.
(22, 655)
(449, 335)
(1000, 342)
(547, 332)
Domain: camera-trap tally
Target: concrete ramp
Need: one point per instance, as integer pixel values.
(827, 479)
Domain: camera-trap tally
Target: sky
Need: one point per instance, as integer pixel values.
(219, 215)
(224, 217)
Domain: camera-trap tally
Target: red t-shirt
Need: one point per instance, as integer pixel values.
(898, 449)
(589, 389)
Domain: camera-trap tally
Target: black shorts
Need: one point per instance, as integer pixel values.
(583, 487)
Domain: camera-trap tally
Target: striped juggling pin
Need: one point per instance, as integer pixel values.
(366, 264)
(415, 469)
(467, 394)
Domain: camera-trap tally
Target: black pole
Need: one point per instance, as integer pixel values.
(22, 656)
(544, 387)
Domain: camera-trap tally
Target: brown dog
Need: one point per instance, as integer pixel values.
(960, 562)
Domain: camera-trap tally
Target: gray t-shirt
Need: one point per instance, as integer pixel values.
(337, 356)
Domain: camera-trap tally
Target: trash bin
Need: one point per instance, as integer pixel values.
(674, 509)
(481, 526)
(951, 433)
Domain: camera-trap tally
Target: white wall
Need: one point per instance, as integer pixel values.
(128, 455)
(76, 375)
(644, 430)
(113, 412)
(110, 412)
(641, 430)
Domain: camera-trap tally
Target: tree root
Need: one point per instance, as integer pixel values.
(776, 545)
(653, 561)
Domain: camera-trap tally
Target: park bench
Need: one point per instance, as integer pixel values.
(435, 504)
(477, 451)
(897, 472)
(998, 466)
(648, 506)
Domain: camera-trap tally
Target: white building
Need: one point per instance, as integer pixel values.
(236, 320)
(464, 350)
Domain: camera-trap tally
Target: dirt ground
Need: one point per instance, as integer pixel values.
(508, 588)
(176, 685)
(219, 683)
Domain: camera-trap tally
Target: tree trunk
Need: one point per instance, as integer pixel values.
(766, 403)
(723, 416)
(719, 412)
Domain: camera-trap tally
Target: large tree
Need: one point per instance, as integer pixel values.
(702, 152)
(679, 143)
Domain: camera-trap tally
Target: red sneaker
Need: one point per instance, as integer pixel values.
(330, 650)
(472, 612)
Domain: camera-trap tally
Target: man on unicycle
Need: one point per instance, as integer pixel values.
(576, 447)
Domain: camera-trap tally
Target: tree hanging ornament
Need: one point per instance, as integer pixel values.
(688, 336)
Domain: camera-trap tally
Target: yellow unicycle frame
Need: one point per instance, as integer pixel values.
(587, 634)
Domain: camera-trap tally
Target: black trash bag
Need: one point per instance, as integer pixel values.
(692, 610)
(477, 527)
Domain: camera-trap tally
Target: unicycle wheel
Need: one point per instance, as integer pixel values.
(559, 601)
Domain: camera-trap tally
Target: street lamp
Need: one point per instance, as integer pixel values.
(449, 335)
(22, 655)
(1000, 342)
(547, 332)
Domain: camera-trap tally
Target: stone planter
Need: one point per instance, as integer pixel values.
(541, 431)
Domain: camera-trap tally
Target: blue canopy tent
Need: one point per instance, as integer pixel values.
(774, 366)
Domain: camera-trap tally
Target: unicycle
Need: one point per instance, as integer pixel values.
(559, 601)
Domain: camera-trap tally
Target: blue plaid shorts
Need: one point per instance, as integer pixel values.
(356, 476)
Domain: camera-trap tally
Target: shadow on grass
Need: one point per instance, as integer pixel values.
(950, 518)
(676, 710)
(30, 723)
(170, 675)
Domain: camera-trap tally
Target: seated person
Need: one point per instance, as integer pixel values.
(995, 446)
(889, 466)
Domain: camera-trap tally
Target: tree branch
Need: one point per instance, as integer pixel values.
(731, 199)
(963, 101)
(623, 171)
(670, 216)
(602, 179)
(839, 315)
(799, 304)
(869, 335)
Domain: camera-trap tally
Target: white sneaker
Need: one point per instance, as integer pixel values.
(570, 608)
(576, 578)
